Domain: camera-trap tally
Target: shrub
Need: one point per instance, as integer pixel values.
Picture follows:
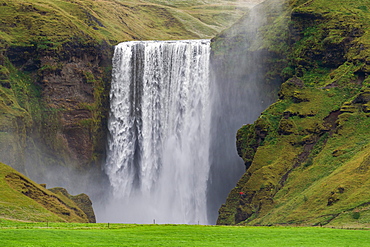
(356, 215)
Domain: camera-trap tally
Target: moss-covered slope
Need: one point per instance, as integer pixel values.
(307, 154)
(59, 21)
(23, 199)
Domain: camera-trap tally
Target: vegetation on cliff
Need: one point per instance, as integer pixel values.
(55, 66)
(307, 154)
(22, 199)
(50, 24)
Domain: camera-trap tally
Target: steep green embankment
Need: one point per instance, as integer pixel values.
(307, 155)
(23, 199)
(55, 66)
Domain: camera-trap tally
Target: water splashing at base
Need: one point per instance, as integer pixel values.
(159, 132)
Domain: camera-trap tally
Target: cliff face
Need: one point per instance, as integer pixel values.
(306, 155)
(62, 102)
(55, 66)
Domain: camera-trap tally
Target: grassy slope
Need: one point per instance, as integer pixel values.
(114, 20)
(56, 234)
(311, 166)
(22, 199)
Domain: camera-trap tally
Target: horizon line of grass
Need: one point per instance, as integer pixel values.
(18, 224)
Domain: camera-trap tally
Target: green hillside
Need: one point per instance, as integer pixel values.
(307, 155)
(55, 22)
(24, 200)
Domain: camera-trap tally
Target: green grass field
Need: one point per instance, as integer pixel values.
(69, 234)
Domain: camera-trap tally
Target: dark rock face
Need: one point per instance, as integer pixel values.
(75, 87)
(54, 113)
(23, 57)
(66, 89)
(73, 84)
(83, 201)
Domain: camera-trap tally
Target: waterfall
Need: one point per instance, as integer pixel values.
(159, 124)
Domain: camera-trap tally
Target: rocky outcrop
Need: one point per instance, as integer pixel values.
(82, 201)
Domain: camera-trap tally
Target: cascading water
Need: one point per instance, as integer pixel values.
(158, 151)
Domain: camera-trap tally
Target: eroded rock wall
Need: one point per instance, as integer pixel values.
(65, 99)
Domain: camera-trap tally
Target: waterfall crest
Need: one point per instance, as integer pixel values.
(159, 124)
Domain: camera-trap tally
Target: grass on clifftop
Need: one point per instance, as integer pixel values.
(51, 22)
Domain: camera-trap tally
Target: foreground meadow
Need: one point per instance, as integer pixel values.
(69, 234)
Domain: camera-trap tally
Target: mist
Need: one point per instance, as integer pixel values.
(240, 92)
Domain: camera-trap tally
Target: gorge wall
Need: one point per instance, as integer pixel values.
(243, 85)
(306, 155)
